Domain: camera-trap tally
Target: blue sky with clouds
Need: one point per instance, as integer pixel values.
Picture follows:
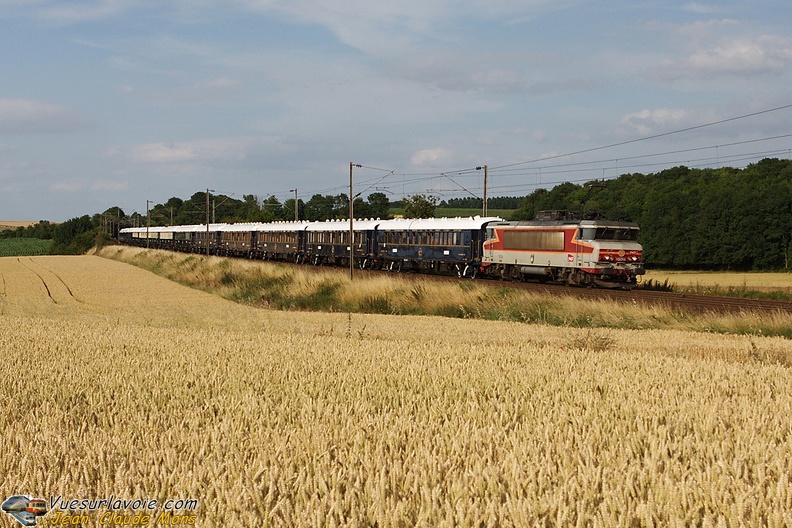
(115, 102)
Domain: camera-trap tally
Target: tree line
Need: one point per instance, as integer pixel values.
(495, 202)
(712, 219)
(718, 219)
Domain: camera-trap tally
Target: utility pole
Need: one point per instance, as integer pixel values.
(351, 226)
(484, 207)
(296, 205)
(207, 220)
(148, 223)
(485, 190)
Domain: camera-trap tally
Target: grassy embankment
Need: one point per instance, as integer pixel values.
(289, 287)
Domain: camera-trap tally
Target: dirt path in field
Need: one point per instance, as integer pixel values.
(57, 290)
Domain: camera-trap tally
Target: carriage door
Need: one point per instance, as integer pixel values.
(476, 239)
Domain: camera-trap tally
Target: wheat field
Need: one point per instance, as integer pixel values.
(117, 381)
(752, 280)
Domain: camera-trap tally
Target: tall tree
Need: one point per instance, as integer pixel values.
(379, 204)
(420, 206)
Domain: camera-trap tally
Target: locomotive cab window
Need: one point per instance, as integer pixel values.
(609, 233)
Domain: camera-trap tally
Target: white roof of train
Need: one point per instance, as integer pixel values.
(270, 227)
(397, 224)
(343, 225)
(451, 224)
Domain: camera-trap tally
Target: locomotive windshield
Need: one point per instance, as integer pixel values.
(609, 233)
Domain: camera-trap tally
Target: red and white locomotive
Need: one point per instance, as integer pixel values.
(566, 247)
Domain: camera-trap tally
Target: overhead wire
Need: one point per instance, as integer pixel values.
(646, 138)
(413, 179)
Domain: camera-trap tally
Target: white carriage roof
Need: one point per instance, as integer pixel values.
(398, 224)
(434, 224)
(194, 228)
(171, 229)
(261, 226)
(343, 225)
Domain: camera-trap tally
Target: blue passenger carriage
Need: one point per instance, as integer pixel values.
(437, 244)
(328, 242)
(278, 240)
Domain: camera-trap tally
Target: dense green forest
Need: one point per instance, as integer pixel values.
(726, 218)
(736, 219)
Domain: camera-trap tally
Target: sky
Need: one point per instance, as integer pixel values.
(108, 103)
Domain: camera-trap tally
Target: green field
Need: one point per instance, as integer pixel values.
(15, 247)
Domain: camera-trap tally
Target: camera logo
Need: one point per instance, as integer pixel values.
(24, 508)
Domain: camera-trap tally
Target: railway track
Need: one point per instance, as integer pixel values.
(693, 303)
(682, 302)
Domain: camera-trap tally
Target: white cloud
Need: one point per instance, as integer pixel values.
(205, 150)
(724, 47)
(765, 54)
(432, 157)
(109, 186)
(702, 9)
(69, 186)
(86, 11)
(457, 71)
(25, 116)
(646, 122)
(389, 28)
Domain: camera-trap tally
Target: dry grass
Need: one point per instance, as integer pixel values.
(686, 279)
(123, 382)
(13, 224)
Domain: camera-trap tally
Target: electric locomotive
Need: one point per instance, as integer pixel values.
(564, 246)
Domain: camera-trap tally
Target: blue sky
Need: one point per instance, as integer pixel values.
(115, 102)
